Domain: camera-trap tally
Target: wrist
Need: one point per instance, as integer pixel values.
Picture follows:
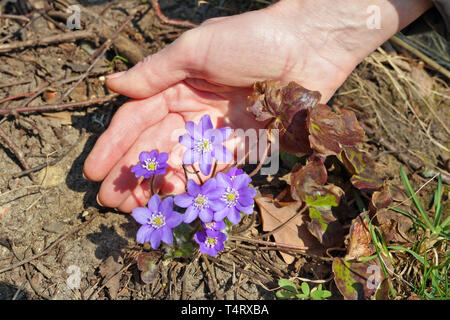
(351, 27)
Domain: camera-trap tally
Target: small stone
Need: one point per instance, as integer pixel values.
(55, 227)
(51, 176)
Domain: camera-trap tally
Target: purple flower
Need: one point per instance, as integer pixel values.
(211, 242)
(150, 163)
(235, 195)
(214, 225)
(200, 201)
(204, 143)
(233, 172)
(157, 221)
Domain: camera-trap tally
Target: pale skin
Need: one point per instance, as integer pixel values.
(210, 70)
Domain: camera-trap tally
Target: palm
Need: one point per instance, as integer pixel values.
(209, 70)
(156, 123)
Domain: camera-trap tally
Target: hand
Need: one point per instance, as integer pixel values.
(210, 70)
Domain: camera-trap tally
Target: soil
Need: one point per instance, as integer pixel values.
(99, 243)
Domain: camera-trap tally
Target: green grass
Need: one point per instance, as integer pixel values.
(430, 250)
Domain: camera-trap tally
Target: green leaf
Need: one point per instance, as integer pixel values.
(286, 284)
(283, 294)
(302, 296)
(305, 288)
(437, 202)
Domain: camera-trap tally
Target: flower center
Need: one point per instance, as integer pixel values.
(150, 164)
(203, 145)
(201, 201)
(157, 220)
(210, 225)
(230, 197)
(211, 242)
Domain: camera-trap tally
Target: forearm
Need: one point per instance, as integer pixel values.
(357, 26)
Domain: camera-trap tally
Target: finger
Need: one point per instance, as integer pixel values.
(155, 73)
(126, 126)
(121, 182)
(171, 183)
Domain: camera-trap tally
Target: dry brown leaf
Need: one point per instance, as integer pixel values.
(110, 271)
(293, 233)
(64, 117)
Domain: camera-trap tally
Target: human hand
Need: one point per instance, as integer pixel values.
(210, 70)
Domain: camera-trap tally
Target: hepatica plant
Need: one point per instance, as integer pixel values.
(207, 205)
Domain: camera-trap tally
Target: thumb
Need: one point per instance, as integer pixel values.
(154, 74)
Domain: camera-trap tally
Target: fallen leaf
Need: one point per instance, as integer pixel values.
(360, 244)
(331, 131)
(110, 271)
(362, 167)
(64, 117)
(147, 264)
(294, 232)
(357, 280)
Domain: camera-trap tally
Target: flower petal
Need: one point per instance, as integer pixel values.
(216, 205)
(166, 235)
(248, 209)
(153, 203)
(186, 140)
(155, 239)
(193, 188)
(166, 206)
(205, 123)
(183, 200)
(242, 180)
(190, 215)
(141, 215)
(206, 215)
(153, 154)
(223, 180)
(174, 219)
(221, 214)
(162, 158)
(143, 234)
(234, 216)
(143, 156)
(209, 186)
(200, 237)
(222, 154)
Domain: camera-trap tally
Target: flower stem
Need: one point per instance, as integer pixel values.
(213, 173)
(152, 180)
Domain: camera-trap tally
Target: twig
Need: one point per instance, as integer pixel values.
(17, 97)
(166, 20)
(51, 163)
(16, 151)
(213, 277)
(14, 17)
(53, 245)
(98, 55)
(58, 107)
(6, 85)
(75, 35)
(404, 44)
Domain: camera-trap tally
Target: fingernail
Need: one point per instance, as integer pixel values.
(115, 75)
(84, 177)
(98, 202)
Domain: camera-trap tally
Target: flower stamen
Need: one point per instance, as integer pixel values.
(157, 220)
(150, 164)
(201, 201)
(230, 197)
(211, 242)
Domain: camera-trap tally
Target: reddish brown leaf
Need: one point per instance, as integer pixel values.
(331, 131)
(393, 225)
(362, 167)
(360, 244)
(287, 106)
(357, 280)
(293, 233)
(308, 185)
